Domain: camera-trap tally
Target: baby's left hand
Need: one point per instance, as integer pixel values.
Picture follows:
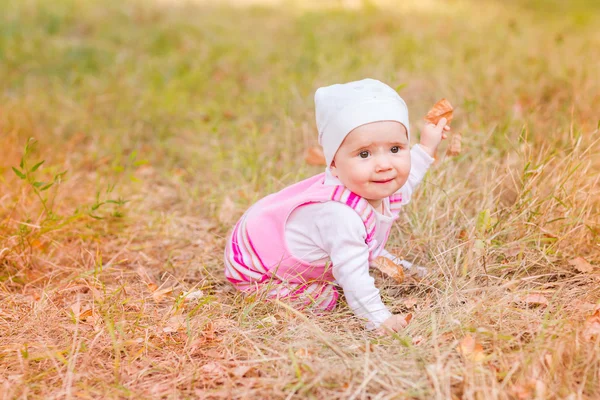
(432, 135)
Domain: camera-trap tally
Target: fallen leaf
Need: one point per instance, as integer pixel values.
(455, 145)
(389, 268)
(175, 323)
(193, 295)
(241, 370)
(411, 302)
(441, 109)
(212, 368)
(522, 392)
(227, 211)
(417, 340)
(591, 327)
(315, 156)
(535, 299)
(408, 318)
(269, 321)
(367, 346)
(514, 251)
(152, 287)
(471, 349)
(303, 353)
(581, 264)
(158, 295)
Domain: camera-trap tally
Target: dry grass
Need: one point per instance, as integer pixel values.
(160, 112)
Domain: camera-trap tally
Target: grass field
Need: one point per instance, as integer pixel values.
(159, 123)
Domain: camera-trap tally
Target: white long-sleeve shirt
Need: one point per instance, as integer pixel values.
(319, 232)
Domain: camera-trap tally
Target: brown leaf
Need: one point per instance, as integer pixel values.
(175, 323)
(212, 368)
(522, 392)
(408, 318)
(389, 268)
(455, 145)
(241, 370)
(441, 109)
(471, 349)
(303, 353)
(581, 264)
(314, 156)
(158, 295)
(535, 299)
(411, 302)
(152, 287)
(417, 340)
(591, 327)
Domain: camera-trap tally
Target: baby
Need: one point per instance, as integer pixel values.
(313, 237)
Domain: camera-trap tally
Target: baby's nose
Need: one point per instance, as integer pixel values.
(383, 163)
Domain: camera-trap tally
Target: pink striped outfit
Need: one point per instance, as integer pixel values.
(257, 257)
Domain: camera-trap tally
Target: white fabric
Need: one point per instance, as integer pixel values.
(342, 107)
(318, 232)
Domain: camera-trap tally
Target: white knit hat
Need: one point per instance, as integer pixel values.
(342, 107)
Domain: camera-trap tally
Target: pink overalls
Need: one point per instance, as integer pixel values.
(257, 256)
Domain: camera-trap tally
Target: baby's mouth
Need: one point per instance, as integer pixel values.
(384, 181)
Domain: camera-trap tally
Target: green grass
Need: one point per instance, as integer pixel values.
(160, 111)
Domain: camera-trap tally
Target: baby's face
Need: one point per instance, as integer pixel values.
(374, 160)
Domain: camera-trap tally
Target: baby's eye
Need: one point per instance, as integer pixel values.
(363, 154)
(395, 149)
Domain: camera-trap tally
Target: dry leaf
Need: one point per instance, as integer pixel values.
(212, 368)
(241, 370)
(411, 302)
(314, 156)
(471, 349)
(581, 264)
(591, 328)
(175, 323)
(227, 211)
(303, 353)
(441, 109)
(152, 287)
(367, 346)
(522, 392)
(389, 268)
(534, 299)
(454, 149)
(408, 318)
(193, 295)
(158, 295)
(417, 340)
(87, 315)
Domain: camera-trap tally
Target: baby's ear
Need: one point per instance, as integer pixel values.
(333, 169)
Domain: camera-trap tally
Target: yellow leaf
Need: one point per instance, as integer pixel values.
(471, 349)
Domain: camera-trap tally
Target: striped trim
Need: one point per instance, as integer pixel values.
(395, 202)
(360, 205)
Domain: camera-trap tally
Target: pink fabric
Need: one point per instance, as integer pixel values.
(257, 256)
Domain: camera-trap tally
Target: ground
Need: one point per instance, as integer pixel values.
(159, 123)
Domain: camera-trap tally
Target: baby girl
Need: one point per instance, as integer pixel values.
(308, 240)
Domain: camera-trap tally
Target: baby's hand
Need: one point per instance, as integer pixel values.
(393, 324)
(432, 136)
